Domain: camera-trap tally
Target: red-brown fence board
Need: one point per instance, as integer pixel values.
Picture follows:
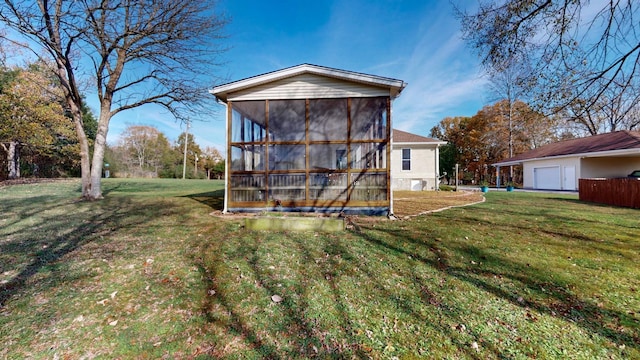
(617, 192)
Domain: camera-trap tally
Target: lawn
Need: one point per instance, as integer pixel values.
(150, 272)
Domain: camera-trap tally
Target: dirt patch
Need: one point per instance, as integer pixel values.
(413, 203)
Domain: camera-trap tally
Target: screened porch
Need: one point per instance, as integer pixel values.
(326, 155)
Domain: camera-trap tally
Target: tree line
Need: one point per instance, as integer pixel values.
(144, 151)
(38, 139)
(495, 133)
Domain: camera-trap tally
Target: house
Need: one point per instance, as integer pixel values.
(414, 162)
(558, 166)
(309, 138)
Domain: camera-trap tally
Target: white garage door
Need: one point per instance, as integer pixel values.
(547, 178)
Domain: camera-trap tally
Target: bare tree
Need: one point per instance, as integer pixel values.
(134, 52)
(508, 82)
(142, 148)
(581, 52)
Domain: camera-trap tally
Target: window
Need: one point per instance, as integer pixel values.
(406, 159)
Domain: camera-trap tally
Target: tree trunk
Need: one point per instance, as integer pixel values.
(95, 192)
(85, 164)
(13, 159)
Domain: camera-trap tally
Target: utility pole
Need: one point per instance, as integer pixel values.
(184, 161)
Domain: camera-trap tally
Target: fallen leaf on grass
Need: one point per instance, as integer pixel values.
(461, 327)
(474, 346)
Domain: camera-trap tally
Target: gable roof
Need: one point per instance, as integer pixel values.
(618, 143)
(395, 86)
(403, 137)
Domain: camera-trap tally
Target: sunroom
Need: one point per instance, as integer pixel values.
(309, 138)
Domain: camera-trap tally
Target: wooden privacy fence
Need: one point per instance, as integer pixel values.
(617, 192)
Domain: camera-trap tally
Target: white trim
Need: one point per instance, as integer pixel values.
(389, 169)
(582, 155)
(395, 86)
(436, 170)
(420, 143)
(227, 161)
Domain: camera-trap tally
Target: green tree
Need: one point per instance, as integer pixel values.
(31, 116)
(194, 154)
(211, 157)
(448, 160)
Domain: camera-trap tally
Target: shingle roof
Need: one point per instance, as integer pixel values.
(400, 136)
(614, 141)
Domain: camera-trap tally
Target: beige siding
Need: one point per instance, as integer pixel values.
(609, 167)
(423, 167)
(308, 86)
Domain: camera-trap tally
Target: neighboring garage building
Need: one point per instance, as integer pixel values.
(414, 162)
(558, 166)
(309, 138)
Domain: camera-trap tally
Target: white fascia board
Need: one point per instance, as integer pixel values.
(609, 153)
(395, 85)
(420, 143)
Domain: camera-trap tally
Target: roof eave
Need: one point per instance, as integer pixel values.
(420, 143)
(395, 86)
(580, 155)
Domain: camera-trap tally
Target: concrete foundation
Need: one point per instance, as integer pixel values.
(295, 224)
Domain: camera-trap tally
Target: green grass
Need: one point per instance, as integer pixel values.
(148, 272)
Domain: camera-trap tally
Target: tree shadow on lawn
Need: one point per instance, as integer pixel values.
(299, 330)
(543, 292)
(55, 228)
(213, 199)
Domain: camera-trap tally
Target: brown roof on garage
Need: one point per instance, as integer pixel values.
(618, 140)
(400, 136)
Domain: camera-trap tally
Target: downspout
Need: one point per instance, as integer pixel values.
(390, 172)
(436, 186)
(228, 159)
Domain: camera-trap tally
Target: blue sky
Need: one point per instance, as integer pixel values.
(414, 41)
